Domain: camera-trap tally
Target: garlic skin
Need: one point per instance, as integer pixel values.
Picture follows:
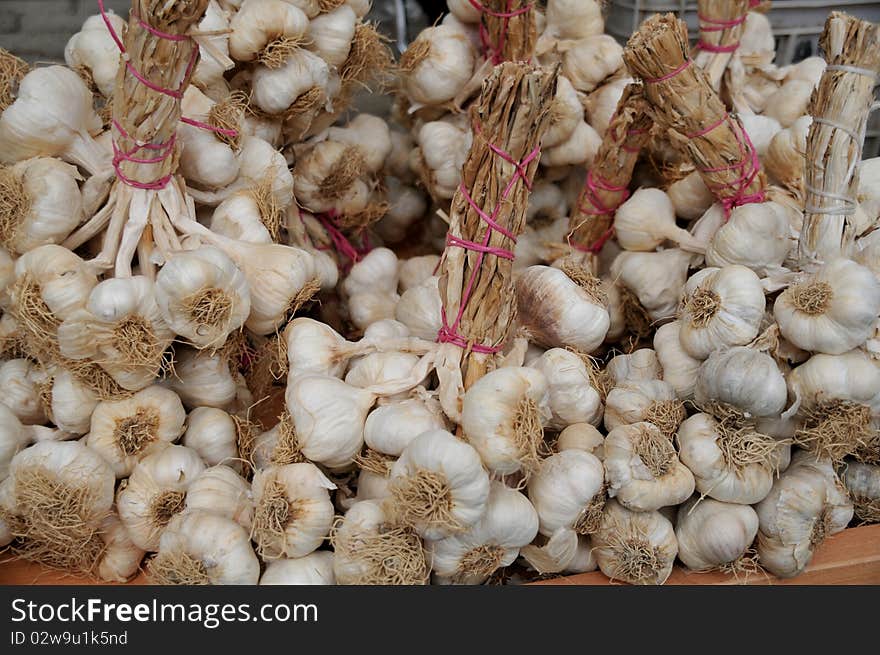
(637, 366)
(868, 197)
(307, 514)
(389, 429)
(51, 208)
(331, 34)
(634, 547)
(202, 380)
(656, 278)
(756, 235)
(502, 416)
(376, 271)
(124, 431)
(559, 312)
(371, 134)
(315, 347)
(582, 436)
(745, 378)
(806, 504)
(761, 129)
(721, 307)
(438, 459)
(94, 51)
(257, 23)
(567, 113)
(436, 65)
(832, 311)
(579, 149)
(211, 433)
(19, 390)
(13, 438)
(314, 569)
(643, 470)
(602, 103)
(712, 534)
(72, 403)
(572, 399)
(790, 102)
(408, 205)
(416, 270)
(275, 90)
(220, 547)
(53, 116)
(155, 491)
(567, 492)
(220, 490)
(784, 159)
(328, 416)
(419, 309)
(746, 480)
(203, 296)
(442, 148)
(464, 11)
(679, 368)
(205, 159)
(862, 482)
(63, 278)
(122, 558)
(690, 197)
(213, 49)
(590, 60)
(646, 220)
(851, 376)
(509, 523)
(653, 401)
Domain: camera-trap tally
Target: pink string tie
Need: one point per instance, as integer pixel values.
(341, 243)
(718, 25)
(592, 186)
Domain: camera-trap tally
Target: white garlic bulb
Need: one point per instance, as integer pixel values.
(582, 436)
(715, 535)
(371, 550)
(330, 34)
(220, 490)
(155, 491)
(634, 547)
(784, 159)
(202, 548)
(655, 278)
(302, 75)
(790, 102)
(862, 481)
(647, 219)
(679, 368)
(313, 569)
(438, 485)
(13, 437)
(391, 428)
(756, 235)
(578, 149)
(572, 398)
(690, 197)
(213, 49)
(568, 492)
(503, 415)
(293, 512)
(202, 379)
(260, 26)
(442, 148)
(572, 19)
(653, 401)
(315, 347)
(436, 65)
(559, 310)
(721, 307)
(371, 134)
(643, 470)
(601, 104)
(124, 431)
(72, 403)
(205, 159)
(94, 52)
(20, 391)
(590, 60)
(509, 523)
(566, 114)
(639, 365)
(407, 205)
(761, 129)
(211, 432)
(832, 311)
(419, 309)
(747, 379)
(60, 277)
(416, 270)
(121, 558)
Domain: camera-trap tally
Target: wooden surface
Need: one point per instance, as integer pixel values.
(851, 557)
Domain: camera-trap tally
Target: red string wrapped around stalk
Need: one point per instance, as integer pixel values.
(507, 29)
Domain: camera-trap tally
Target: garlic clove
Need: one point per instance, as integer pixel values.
(314, 569)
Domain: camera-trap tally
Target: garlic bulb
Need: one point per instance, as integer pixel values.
(634, 547)
(293, 512)
(205, 159)
(679, 368)
(568, 492)
(756, 235)
(566, 113)
(20, 391)
(332, 177)
(42, 203)
(502, 417)
(579, 149)
(213, 49)
(313, 569)
(653, 401)
(266, 30)
(203, 296)
(330, 34)
(646, 220)
(732, 461)
(690, 197)
(601, 104)
(391, 428)
(572, 399)
(71, 403)
(155, 491)
(211, 433)
(438, 486)
(643, 470)
(654, 278)
(124, 431)
(121, 558)
(328, 416)
(832, 311)
(93, 53)
(442, 148)
(756, 45)
(862, 481)
(298, 85)
(315, 347)
(790, 102)
(582, 436)
(509, 523)
(419, 309)
(371, 134)
(715, 535)
(56, 499)
(53, 116)
(370, 549)
(562, 308)
(572, 19)
(61, 279)
(721, 307)
(744, 378)
(202, 379)
(407, 205)
(220, 490)
(639, 365)
(202, 548)
(806, 504)
(761, 130)
(13, 437)
(590, 60)
(121, 329)
(376, 370)
(464, 11)
(436, 65)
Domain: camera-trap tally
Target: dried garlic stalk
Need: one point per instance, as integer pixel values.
(721, 24)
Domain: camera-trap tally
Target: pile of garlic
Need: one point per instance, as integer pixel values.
(699, 398)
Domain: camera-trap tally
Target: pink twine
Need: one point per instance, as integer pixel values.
(206, 126)
(340, 242)
(491, 50)
(592, 186)
(718, 25)
(449, 333)
(669, 75)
